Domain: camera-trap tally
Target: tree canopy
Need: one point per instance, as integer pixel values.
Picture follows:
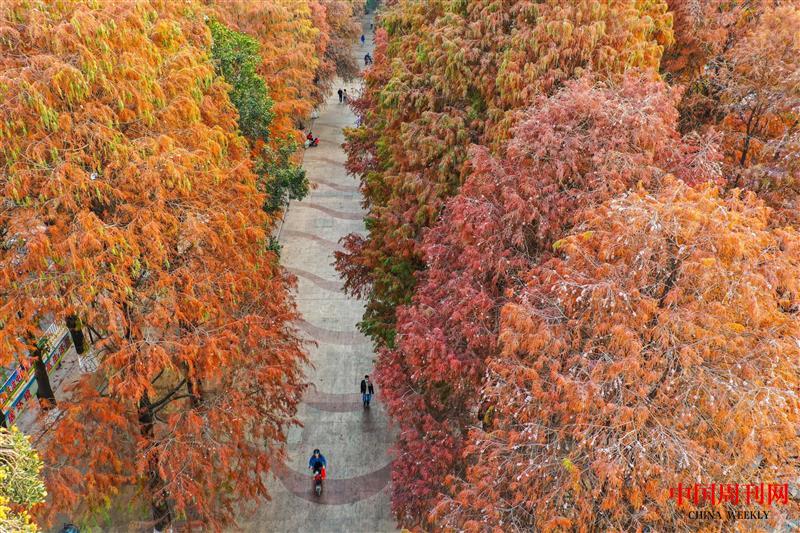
(448, 74)
(133, 201)
(658, 347)
(237, 56)
(585, 144)
(488, 131)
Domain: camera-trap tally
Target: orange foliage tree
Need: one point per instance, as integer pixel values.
(286, 32)
(454, 73)
(130, 202)
(702, 29)
(659, 347)
(304, 43)
(760, 100)
(339, 30)
(740, 63)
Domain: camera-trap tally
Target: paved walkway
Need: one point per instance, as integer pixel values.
(355, 441)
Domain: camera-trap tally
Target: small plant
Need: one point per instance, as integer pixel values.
(273, 245)
(21, 486)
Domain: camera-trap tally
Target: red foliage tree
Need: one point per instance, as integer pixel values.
(456, 73)
(585, 144)
(659, 347)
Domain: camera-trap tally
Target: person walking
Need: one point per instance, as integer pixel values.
(367, 59)
(341, 95)
(345, 96)
(367, 390)
(363, 39)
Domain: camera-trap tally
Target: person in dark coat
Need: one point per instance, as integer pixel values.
(367, 390)
(341, 95)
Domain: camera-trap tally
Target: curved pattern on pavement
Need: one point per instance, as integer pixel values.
(322, 283)
(336, 186)
(355, 440)
(335, 161)
(341, 215)
(330, 245)
(335, 491)
(333, 403)
(331, 336)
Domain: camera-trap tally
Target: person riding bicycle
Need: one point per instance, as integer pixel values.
(317, 465)
(317, 458)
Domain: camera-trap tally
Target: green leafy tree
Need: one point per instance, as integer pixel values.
(21, 487)
(237, 57)
(287, 181)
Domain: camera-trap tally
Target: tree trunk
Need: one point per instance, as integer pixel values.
(158, 496)
(3, 421)
(195, 388)
(47, 398)
(75, 327)
(94, 335)
(194, 385)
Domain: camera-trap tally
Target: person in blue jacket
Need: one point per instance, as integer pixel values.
(317, 457)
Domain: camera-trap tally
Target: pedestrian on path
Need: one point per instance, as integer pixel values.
(367, 390)
(345, 96)
(341, 95)
(363, 39)
(367, 59)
